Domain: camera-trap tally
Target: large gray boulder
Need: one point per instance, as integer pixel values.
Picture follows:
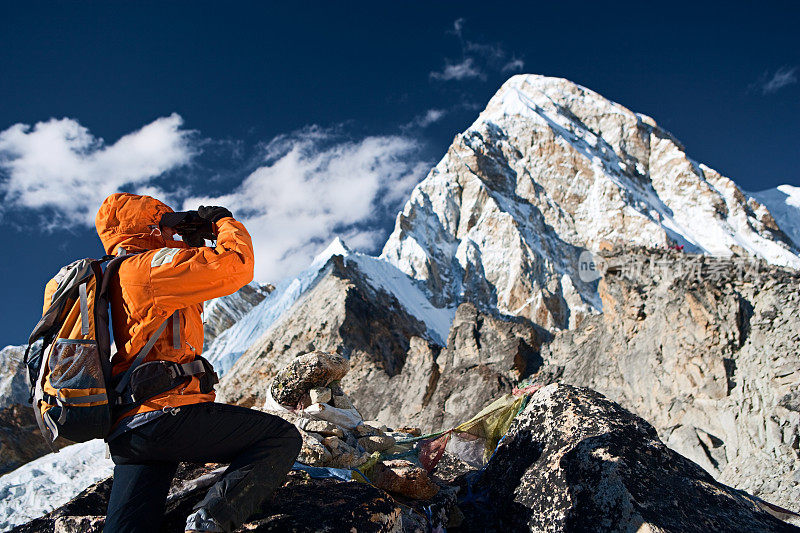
(312, 370)
(576, 461)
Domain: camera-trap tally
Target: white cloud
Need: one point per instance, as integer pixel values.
(458, 26)
(60, 165)
(476, 59)
(490, 52)
(315, 186)
(783, 76)
(459, 71)
(515, 65)
(307, 188)
(423, 121)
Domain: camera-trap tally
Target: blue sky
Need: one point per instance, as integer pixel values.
(317, 119)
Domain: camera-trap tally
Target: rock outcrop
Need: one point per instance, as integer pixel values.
(572, 461)
(708, 351)
(575, 461)
(307, 374)
(484, 358)
(306, 393)
(337, 506)
(397, 375)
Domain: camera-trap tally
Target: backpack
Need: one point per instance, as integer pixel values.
(68, 357)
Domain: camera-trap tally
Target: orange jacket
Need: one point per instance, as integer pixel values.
(166, 276)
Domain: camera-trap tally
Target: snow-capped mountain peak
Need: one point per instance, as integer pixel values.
(336, 247)
(548, 170)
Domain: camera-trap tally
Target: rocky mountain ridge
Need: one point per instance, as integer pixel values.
(783, 203)
(220, 314)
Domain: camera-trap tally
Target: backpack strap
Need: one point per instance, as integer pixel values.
(140, 357)
(46, 427)
(102, 308)
(84, 298)
(176, 330)
(111, 269)
(189, 369)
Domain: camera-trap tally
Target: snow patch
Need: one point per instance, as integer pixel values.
(48, 482)
(392, 280)
(783, 202)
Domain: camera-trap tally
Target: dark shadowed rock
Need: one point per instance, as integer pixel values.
(20, 438)
(340, 313)
(572, 461)
(79, 524)
(575, 461)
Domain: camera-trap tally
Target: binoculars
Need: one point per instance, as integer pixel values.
(193, 229)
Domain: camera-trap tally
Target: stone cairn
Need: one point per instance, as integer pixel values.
(306, 392)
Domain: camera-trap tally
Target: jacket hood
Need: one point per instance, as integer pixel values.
(126, 220)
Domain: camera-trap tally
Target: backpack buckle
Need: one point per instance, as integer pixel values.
(173, 370)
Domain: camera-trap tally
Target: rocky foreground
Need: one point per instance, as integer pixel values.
(572, 461)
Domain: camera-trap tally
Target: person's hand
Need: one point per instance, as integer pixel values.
(213, 213)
